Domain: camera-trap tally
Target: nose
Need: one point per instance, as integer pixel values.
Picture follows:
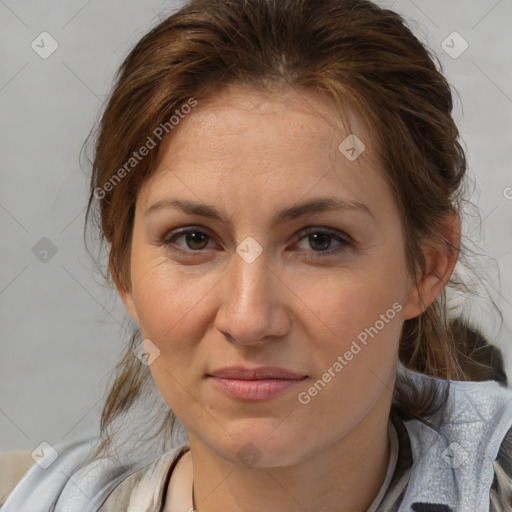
(253, 307)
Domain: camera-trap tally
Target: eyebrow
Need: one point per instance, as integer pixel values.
(312, 206)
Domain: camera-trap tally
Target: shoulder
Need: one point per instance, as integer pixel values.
(14, 465)
(466, 401)
(465, 449)
(501, 490)
(46, 478)
(66, 483)
(476, 415)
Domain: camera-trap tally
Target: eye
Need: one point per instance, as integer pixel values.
(321, 239)
(194, 240)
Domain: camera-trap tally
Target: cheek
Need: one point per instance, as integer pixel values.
(356, 315)
(171, 306)
(355, 350)
(347, 303)
(167, 297)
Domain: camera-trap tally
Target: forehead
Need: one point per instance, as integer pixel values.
(305, 114)
(286, 142)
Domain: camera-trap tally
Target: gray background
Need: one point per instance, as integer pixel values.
(61, 329)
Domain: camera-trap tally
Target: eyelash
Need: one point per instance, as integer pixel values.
(345, 244)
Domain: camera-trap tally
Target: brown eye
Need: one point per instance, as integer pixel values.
(320, 241)
(195, 240)
(324, 242)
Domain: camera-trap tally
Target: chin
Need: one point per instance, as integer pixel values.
(261, 450)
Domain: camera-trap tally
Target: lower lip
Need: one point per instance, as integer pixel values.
(261, 389)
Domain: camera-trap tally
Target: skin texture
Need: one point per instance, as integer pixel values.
(251, 154)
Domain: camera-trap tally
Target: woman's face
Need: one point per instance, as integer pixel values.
(269, 281)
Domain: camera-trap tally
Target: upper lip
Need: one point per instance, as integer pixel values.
(262, 372)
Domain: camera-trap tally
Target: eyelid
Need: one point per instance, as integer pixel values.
(329, 231)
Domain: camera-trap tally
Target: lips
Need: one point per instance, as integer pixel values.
(255, 384)
(262, 372)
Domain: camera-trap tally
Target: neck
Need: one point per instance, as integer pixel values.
(343, 477)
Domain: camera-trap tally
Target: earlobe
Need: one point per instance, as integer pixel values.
(440, 260)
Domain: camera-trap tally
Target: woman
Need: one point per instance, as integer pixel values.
(303, 340)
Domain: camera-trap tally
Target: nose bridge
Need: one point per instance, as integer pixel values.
(249, 283)
(249, 309)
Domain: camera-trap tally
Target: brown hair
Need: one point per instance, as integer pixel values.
(355, 52)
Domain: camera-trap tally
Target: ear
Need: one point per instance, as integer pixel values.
(440, 259)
